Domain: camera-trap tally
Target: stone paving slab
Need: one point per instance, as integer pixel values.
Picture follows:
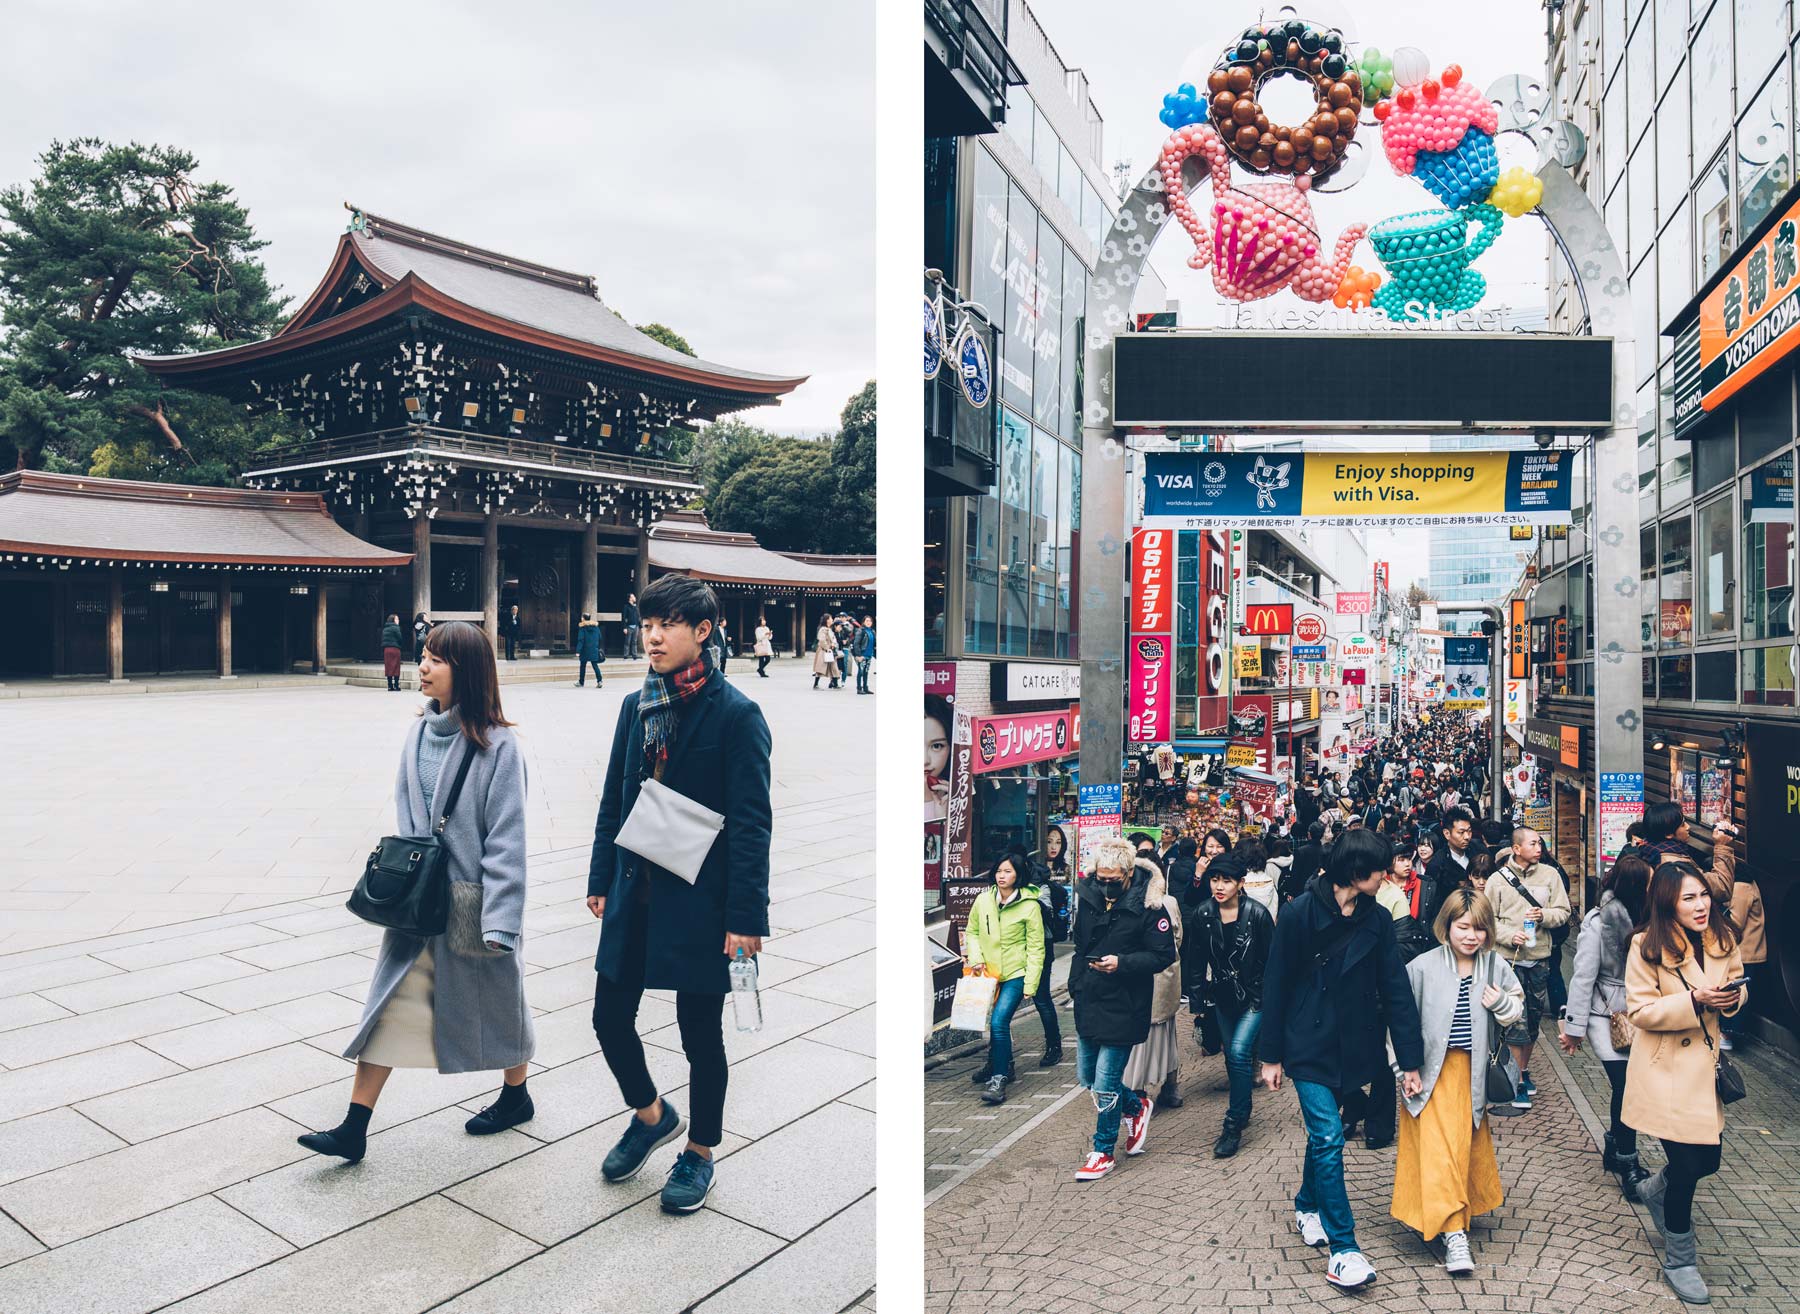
(81, 1032)
(402, 1262)
(63, 1081)
(782, 1183)
(187, 1099)
(827, 1269)
(773, 1088)
(49, 1140)
(29, 1010)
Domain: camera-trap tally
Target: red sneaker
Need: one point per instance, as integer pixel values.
(1097, 1166)
(1137, 1130)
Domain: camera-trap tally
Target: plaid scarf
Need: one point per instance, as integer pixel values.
(658, 702)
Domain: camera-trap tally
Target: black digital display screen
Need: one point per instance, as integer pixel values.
(1300, 381)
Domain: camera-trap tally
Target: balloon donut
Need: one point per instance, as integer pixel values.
(1263, 236)
(1310, 51)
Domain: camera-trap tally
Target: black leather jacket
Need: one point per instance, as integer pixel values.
(1231, 956)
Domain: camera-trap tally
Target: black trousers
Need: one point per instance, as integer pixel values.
(762, 666)
(1375, 1106)
(1624, 1138)
(701, 1019)
(511, 646)
(585, 663)
(1687, 1165)
(1046, 1007)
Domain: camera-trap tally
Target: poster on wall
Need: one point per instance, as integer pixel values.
(1466, 674)
(1252, 732)
(1621, 806)
(1772, 794)
(1258, 793)
(1772, 492)
(1715, 802)
(960, 884)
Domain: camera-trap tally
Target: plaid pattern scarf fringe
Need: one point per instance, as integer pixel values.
(657, 705)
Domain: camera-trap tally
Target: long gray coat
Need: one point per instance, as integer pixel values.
(479, 1018)
(1434, 980)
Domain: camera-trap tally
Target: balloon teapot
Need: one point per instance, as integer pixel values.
(1262, 236)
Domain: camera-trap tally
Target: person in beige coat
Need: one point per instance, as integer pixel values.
(825, 656)
(1529, 902)
(1156, 1060)
(1684, 973)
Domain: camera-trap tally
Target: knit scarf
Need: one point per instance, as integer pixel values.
(659, 701)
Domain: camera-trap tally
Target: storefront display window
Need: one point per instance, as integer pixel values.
(1015, 533)
(1647, 587)
(1676, 611)
(1769, 558)
(937, 546)
(1677, 679)
(1699, 786)
(1717, 530)
(1769, 675)
(1013, 809)
(1765, 152)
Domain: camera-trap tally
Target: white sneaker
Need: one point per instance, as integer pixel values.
(1311, 1230)
(1456, 1253)
(1349, 1269)
(1725, 1040)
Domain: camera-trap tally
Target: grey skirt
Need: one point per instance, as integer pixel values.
(404, 1036)
(1152, 1060)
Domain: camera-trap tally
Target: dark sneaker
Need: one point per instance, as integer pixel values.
(1227, 1144)
(690, 1182)
(634, 1146)
(496, 1119)
(1527, 1084)
(1051, 1058)
(995, 1090)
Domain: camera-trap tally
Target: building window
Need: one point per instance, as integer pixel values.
(1712, 212)
(937, 547)
(1640, 76)
(1765, 152)
(988, 252)
(1612, 138)
(1074, 310)
(1675, 266)
(1769, 675)
(981, 587)
(1641, 222)
(1068, 181)
(1769, 558)
(1095, 217)
(1067, 484)
(1762, 29)
(1678, 678)
(1648, 631)
(1043, 544)
(1021, 117)
(1047, 321)
(1023, 288)
(1711, 81)
(1715, 677)
(1677, 586)
(1188, 648)
(1717, 583)
(1015, 534)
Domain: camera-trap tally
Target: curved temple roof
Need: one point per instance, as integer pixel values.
(684, 542)
(79, 516)
(487, 290)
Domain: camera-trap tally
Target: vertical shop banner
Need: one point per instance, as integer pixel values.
(1621, 805)
(1237, 580)
(1152, 637)
(1010, 741)
(1466, 674)
(1381, 577)
(1515, 710)
(960, 885)
(1252, 732)
(1518, 642)
(1249, 661)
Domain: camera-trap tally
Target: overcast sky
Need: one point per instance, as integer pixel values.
(709, 163)
(1136, 51)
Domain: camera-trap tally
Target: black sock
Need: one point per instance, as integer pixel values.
(356, 1118)
(510, 1098)
(348, 1140)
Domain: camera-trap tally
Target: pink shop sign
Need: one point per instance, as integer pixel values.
(1009, 741)
(1152, 687)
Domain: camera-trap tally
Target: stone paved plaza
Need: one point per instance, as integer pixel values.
(1008, 1228)
(178, 976)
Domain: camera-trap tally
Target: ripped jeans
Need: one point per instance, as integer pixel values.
(1099, 1068)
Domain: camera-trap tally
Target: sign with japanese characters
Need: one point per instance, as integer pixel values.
(1355, 604)
(1748, 321)
(1010, 741)
(1465, 674)
(1249, 664)
(1153, 581)
(1152, 688)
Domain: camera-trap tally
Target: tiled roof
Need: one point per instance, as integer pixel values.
(78, 516)
(684, 542)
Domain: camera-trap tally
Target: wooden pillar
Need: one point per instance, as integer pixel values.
(59, 624)
(318, 635)
(643, 562)
(224, 629)
(115, 626)
(800, 625)
(590, 569)
(490, 577)
(421, 566)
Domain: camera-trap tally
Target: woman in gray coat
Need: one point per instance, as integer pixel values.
(454, 1002)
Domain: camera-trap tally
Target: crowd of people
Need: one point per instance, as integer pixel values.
(1390, 946)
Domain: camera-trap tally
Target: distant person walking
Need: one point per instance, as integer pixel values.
(864, 650)
(1005, 938)
(391, 644)
(765, 646)
(510, 627)
(825, 655)
(420, 629)
(695, 735)
(628, 616)
(1529, 902)
(587, 650)
(445, 1002)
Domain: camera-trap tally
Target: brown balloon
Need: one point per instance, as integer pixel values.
(1244, 110)
(1260, 158)
(1302, 139)
(1246, 139)
(1340, 95)
(1283, 153)
(1346, 118)
(1322, 148)
(1219, 80)
(1237, 79)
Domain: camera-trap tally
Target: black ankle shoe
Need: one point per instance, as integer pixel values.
(1630, 1174)
(498, 1116)
(1377, 1142)
(345, 1142)
(980, 1076)
(1227, 1144)
(1609, 1156)
(1052, 1057)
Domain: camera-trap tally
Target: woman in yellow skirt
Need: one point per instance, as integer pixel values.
(1446, 1174)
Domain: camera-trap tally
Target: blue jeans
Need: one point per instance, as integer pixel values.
(1322, 1183)
(1006, 1002)
(1240, 1031)
(1099, 1069)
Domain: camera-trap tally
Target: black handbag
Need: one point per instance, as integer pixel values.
(405, 885)
(1727, 1080)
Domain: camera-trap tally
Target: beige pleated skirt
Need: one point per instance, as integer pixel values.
(403, 1036)
(1153, 1060)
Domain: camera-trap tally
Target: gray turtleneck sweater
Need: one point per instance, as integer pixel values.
(441, 730)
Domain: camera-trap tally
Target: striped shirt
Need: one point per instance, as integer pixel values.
(1461, 1028)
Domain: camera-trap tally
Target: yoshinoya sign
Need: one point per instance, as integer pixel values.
(1034, 682)
(1202, 490)
(1748, 320)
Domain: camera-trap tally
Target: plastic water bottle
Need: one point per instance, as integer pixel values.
(1531, 933)
(746, 999)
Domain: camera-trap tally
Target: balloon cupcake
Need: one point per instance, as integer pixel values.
(1441, 132)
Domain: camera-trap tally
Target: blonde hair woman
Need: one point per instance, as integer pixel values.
(1445, 1173)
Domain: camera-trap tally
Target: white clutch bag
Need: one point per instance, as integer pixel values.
(670, 829)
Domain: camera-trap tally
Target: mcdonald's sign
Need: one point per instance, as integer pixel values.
(1519, 642)
(1269, 618)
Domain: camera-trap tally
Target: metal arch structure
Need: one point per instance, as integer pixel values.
(1577, 228)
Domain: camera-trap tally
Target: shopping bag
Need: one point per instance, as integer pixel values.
(973, 1003)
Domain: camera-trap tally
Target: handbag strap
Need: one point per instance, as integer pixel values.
(462, 773)
(1699, 1015)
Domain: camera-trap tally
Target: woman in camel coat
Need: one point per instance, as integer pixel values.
(825, 656)
(1678, 984)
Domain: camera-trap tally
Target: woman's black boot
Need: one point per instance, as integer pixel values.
(347, 1140)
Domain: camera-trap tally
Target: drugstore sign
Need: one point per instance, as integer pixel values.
(1747, 322)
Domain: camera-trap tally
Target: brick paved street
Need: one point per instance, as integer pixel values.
(153, 1078)
(1179, 1230)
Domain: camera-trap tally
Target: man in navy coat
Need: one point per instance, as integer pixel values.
(689, 729)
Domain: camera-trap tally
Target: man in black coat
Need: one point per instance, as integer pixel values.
(1450, 860)
(1121, 941)
(1334, 976)
(694, 734)
(1308, 862)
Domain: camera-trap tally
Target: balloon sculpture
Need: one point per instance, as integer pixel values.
(1263, 236)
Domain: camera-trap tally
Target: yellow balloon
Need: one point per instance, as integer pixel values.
(1517, 193)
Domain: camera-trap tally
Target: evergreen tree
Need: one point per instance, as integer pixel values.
(110, 251)
(667, 336)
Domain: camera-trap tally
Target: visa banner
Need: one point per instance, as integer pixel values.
(1209, 490)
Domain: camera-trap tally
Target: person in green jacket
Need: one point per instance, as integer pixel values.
(391, 641)
(1005, 939)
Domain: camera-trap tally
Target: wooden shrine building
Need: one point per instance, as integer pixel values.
(114, 578)
(486, 415)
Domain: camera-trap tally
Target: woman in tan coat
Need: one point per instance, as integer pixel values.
(1683, 973)
(825, 656)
